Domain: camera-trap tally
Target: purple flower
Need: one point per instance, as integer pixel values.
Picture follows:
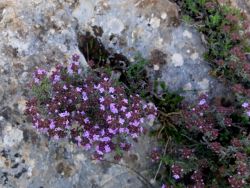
(202, 102)
(134, 135)
(112, 131)
(95, 137)
(79, 71)
(78, 138)
(248, 113)
(37, 80)
(86, 120)
(86, 134)
(52, 125)
(111, 90)
(69, 70)
(101, 90)
(109, 118)
(78, 89)
(121, 121)
(41, 71)
(128, 115)
(105, 139)
(151, 117)
(113, 109)
(125, 100)
(107, 148)
(97, 86)
(56, 137)
(245, 105)
(84, 96)
(87, 147)
(57, 78)
(102, 107)
(75, 57)
(136, 123)
(102, 132)
(65, 87)
(64, 114)
(123, 108)
(121, 130)
(98, 150)
(105, 79)
(142, 120)
(176, 176)
(101, 99)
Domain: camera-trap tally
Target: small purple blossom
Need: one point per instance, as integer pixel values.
(176, 176)
(64, 114)
(111, 90)
(84, 96)
(151, 117)
(248, 113)
(245, 105)
(36, 80)
(78, 89)
(128, 115)
(202, 102)
(125, 100)
(95, 137)
(101, 99)
(75, 57)
(101, 90)
(123, 108)
(56, 79)
(113, 109)
(86, 120)
(52, 125)
(102, 107)
(107, 149)
(121, 121)
(105, 139)
(41, 71)
(65, 87)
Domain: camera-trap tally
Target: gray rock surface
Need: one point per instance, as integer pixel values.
(43, 33)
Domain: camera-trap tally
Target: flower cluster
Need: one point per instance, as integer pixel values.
(212, 123)
(93, 111)
(211, 140)
(246, 107)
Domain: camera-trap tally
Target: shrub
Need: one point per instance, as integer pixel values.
(211, 148)
(226, 32)
(93, 111)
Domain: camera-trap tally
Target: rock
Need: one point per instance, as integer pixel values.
(177, 60)
(114, 26)
(12, 136)
(204, 84)
(187, 34)
(1, 93)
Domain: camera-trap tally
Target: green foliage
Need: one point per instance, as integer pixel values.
(135, 77)
(223, 29)
(135, 70)
(166, 101)
(43, 90)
